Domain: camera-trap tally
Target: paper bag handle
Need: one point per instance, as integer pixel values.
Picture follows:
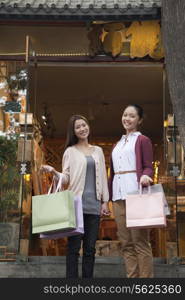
(141, 188)
(59, 186)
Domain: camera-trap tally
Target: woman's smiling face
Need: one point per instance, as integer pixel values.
(130, 119)
(81, 129)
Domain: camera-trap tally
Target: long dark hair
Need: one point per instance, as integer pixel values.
(139, 110)
(71, 138)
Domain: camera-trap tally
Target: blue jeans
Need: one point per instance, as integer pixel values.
(91, 229)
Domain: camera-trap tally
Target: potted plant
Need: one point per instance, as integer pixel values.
(9, 193)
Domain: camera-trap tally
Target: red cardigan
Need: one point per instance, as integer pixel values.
(144, 158)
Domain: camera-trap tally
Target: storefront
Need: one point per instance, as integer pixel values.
(92, 64)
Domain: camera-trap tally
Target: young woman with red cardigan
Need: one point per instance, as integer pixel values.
(131, 165)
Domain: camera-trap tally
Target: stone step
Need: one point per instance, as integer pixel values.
(105, 267)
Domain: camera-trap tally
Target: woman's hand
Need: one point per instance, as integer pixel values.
(50, 169)
(105, 209)
(145, 180)
(47, 168)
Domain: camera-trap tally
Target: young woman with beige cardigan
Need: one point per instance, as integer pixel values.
(84, 171)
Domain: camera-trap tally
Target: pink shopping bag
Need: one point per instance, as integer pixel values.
(146, 208)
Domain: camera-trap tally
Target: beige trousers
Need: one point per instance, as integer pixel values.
(137, 252)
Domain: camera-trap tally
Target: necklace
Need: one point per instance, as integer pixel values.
(126, 139)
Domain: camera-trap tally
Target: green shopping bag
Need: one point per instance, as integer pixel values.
(53, 212)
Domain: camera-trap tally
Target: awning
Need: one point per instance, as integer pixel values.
(84, 10)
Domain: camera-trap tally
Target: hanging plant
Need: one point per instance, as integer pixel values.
(12, 82)
(12, 106)
(22, 79)
(17, 81)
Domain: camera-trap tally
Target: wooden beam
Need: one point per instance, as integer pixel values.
(173, 28)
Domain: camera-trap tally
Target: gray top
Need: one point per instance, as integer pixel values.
(91, 205)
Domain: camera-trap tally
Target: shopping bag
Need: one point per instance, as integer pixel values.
(79, 223)
(53, 211)
(147, 208)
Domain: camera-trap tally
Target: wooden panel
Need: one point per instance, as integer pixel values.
(25, 149)
(24, 247)
(158, 238)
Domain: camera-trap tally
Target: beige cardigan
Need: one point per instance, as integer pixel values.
(74, 171)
